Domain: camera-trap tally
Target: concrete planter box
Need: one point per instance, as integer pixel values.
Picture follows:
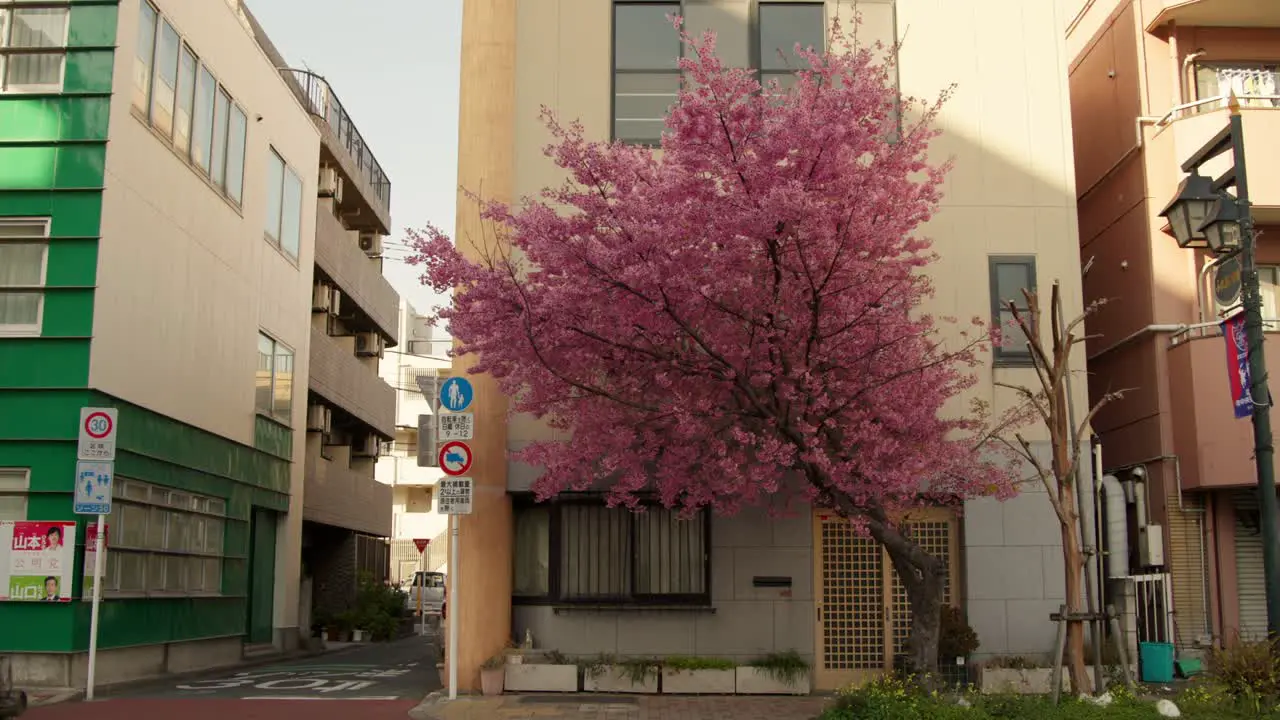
(528, 677)
(613, 679)
(1031, 681)
(757, 681)
(699, 682)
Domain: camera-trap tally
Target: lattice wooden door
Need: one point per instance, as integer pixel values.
(862, 614)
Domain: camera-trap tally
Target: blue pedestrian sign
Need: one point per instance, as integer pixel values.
(456, 394)
(93, 488)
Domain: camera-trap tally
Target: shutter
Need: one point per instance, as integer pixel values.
(1187, 570)
(1251, 589)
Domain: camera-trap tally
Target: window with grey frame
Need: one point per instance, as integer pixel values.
(646, 69)
(583, 552)
(179, 97)
(1255, 84)
(274, 379)
(780, 26)
(1010, 275)
(164, 540)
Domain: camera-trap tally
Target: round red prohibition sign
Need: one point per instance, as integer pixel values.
(97, 425)
(455, 458)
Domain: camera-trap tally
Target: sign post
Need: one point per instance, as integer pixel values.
(421, 544)
(454, 499)
(96, 455)
(454, 425)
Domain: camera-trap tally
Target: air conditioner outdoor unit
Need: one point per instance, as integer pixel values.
(319, 419)
(321, 298)
(371, 244)
(330, 183)
(369, 344)
(367, 447)
(336, 304)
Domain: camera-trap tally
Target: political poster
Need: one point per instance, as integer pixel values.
(37, 560)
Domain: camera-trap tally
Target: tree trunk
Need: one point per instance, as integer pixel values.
(1074, 567)
(923, 576)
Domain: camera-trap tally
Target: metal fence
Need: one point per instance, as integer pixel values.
(323, 102)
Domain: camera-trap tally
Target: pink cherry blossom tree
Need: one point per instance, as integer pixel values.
(736, 321)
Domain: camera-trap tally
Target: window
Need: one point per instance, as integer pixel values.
(1009, 277)
(202, 119)
(34, 40)
(235, 154)
(274, 383)
(13, 494)
(218, 161)
(23, 249)
(1256, 85)
(780, 27)
(164, 541)
(585, 552)
(185, 100)
(1269, 286)
(142, 56)
(284, 206)
(164, 88)
(646, 75)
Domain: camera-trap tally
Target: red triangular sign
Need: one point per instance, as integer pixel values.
(421, 544)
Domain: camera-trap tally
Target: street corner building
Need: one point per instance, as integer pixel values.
(191, 236)
(1151, 84)
(584, 579)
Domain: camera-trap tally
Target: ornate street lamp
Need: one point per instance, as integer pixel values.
(1221, 227)
(1188, 209)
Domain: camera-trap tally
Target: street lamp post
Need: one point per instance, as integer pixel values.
(1205, 215)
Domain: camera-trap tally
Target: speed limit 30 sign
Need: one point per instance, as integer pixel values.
(97, 434)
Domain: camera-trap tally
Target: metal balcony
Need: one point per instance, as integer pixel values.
(366, 184)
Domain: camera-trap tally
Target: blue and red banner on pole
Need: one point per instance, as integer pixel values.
(1238, 365)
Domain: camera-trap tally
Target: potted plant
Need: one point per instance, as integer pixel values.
(606, 674)
(774, 674)
(492, 676)
(956, 642)
(699, 676)
(548, 671)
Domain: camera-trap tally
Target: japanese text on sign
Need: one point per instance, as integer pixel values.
(459, 426)
(454, 496)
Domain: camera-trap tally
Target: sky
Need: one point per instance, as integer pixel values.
(394, 65)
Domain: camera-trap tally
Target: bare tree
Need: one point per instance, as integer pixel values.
(1049, 402)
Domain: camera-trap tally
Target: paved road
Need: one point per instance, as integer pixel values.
(369, 681)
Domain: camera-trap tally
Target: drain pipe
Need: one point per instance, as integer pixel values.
(1117, 528)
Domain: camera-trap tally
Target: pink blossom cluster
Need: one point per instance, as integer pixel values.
(735, 320)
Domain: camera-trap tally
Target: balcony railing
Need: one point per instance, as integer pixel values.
(341, 378)
(323, 103)
(337, 494)
(360, 278)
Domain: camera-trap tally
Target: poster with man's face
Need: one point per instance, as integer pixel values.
(36, 560)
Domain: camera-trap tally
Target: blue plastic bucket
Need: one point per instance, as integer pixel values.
(1157, 662)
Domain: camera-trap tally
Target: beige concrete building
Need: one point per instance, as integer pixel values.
(350, 410)
(751, 585)
(413, 510)
(1150, 82)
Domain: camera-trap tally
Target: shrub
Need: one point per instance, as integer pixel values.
(787, 668)
(955, 639)
(1248, 670)
(690, 664)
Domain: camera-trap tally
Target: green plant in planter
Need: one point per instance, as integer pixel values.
(555, 657)
(692, 664)
(787, 668)
(497, 662)
(955, 638)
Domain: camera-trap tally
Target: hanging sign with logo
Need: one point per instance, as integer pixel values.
(1227, 282)
(1238, 365)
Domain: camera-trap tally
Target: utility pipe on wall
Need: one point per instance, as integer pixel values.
(1117, 528)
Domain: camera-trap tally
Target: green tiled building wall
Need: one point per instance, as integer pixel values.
(52, 164)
